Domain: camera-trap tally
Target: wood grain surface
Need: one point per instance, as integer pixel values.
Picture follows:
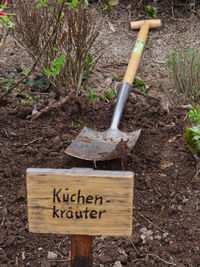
(80, 201)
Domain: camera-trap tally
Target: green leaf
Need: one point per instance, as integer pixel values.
(61, 59)
(151, 11)
(138, 82)
(109, 95)
(47, 72)
(92, 96)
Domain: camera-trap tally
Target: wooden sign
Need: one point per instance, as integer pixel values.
(80, 201)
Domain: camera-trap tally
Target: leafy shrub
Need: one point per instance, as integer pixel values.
(192, 133)
(65, 60)
(184, 73)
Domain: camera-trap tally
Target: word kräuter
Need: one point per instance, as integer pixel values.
(82, 208)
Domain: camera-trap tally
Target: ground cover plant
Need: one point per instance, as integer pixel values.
(192, 133)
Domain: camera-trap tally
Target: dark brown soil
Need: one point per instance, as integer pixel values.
(166, 225)
(166, 190)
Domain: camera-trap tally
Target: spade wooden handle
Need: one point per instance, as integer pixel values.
(153, 23)
(136, 54)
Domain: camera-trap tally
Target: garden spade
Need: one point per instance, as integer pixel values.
(113, 143)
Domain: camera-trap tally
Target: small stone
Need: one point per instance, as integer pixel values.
(185, 200)
(34, 111)
(122, 251)
(179, 208)
(40, 249)
(117, 264)
(149, 233)
(8, 172)
(114, 2)
(143, 230)
(143, 237)
(165, 235)
(158, 237)
(15, 170)
(51, 255)
(23, 255)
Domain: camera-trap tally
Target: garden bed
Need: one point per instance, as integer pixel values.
(166, 189)
(166, 228)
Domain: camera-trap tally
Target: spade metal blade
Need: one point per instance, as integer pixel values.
(99, 146)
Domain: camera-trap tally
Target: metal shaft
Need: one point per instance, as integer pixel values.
(120, 105)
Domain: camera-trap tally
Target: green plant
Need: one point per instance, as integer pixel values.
(7, 82)
(92, 96)
(194, 114)
(192, 133)
(184, 73)
(79, 121)
(66, 61)
(89, 65)
(139, 84)
(23, 95)
(109, 95)
(151, 11)
(106, 5)
(55, 69)
(155, 72)
(26, 98)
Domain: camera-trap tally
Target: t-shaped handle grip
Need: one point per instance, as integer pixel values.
(153, 23)
(144, 26)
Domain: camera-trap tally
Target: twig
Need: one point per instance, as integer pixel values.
(172, 7)
(167, 262)
(33, 141)
(6, 133)
(60, 243)
(196, 175)
(38, 58)
(50, 108)
(63, 260)
(4, 216)
(145, 95)
(133, 246)
(152, 223)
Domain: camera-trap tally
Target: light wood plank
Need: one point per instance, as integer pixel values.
(102, 199)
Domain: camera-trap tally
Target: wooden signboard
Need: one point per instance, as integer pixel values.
(80, 201)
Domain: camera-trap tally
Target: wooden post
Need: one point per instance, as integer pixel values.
(81, 251)
(81, 203)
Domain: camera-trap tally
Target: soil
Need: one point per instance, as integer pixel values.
(166, 227)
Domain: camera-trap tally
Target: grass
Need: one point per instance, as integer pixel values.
(184, 73)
